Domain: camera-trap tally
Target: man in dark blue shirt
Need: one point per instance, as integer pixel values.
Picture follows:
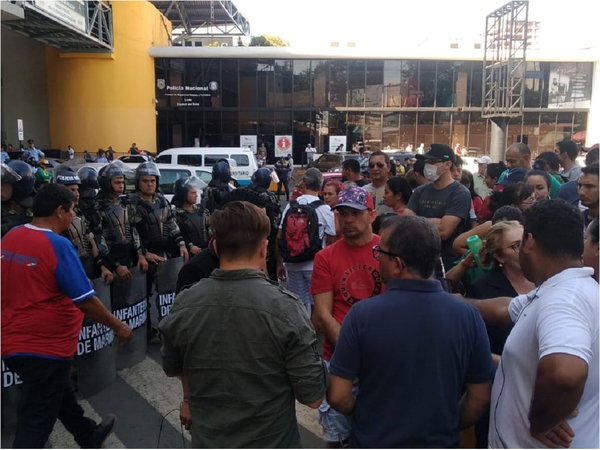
(421, 355)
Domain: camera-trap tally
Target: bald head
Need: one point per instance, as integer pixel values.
(518, 155)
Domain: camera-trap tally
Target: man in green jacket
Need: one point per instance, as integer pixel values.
(243, 346)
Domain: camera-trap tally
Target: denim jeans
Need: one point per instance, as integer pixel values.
(47, 395)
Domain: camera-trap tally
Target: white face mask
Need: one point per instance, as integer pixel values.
(430, 173)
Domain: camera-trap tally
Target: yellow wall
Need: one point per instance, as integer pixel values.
(97, 100)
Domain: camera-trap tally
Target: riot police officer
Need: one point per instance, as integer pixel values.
(115, 222)
(191, 217)
(87, 191)
(17, 194)
(79, 232)
(217, 192)
(153, 218)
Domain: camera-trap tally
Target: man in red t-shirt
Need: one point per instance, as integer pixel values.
(344, 273)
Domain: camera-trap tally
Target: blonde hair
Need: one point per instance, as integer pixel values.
(494, 240)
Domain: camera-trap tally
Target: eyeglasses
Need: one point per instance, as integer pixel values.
(377, 252)
(380, 165)
(515, 246)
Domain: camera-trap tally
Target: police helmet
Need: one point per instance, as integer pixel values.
(9, 176)
(22, 188)
(182, 186)
(110, 171)
(89, 182)
(66, 176)
(146, 169)
(262, 178)
(221, 172)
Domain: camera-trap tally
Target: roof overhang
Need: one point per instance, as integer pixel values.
(71, 26)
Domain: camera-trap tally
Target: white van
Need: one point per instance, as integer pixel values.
(206, 157)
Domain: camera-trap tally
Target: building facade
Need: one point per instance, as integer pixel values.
(217, 96)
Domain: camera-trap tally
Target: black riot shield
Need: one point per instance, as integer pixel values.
(96, 350)
(164, 291)
(11, 390)
(129, 300)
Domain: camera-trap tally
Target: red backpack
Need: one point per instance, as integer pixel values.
(300, 239)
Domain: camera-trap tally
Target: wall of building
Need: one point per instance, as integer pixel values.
(24, 89)
(97, 100)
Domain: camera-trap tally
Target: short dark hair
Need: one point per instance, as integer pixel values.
(380, 153)
(416, 241)
(512, 195)
(569, 147)
(547, 221)
(593, 169)
(51, 196)
(550, 159)
(494, 170)
(466, 179)
(592, 156)
(399, 185)
(352, 164)
(507, 212)
(592, 230)
(540, 173)
(239, 229)
(419, 166)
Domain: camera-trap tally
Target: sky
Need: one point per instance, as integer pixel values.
(388, 23)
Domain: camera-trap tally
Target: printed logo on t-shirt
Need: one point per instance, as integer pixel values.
(359, 282)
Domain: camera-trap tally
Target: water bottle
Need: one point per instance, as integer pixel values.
(474, 245)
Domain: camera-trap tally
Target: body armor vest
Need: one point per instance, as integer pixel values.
(152, 226)
(78, 233)
(12, 216)
(116, 230)
(193, 226)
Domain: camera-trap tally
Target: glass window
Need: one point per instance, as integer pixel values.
(356, 127)
(461, 83)
(211, 160)
(424, 127)
(241, 160)
(445, 85)
(229, 82)
(374, 86)
(564, 124)
(248, 122)
(247, 88)
(168, 177)
(373, 131)
(408, 130)
(338, 83)
(320, 83)
(356, 83)
(212, 122)
(264, 79)
(230, 122)
(530, 133)
(459, 131)
(280, 92)
(534, 83)
(302, 82)
(390, 130)
(391, 82)
(283, 122)
(409, 87)
(427, 83)
(204, 175)
(476, 78)
(442, 129)
(548, 133)
(163, 159)
(265, 122)
(189, 160)
(478, 133)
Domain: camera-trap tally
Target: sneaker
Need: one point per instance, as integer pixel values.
(101, 432)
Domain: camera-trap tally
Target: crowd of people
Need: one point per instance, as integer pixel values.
(443, 299)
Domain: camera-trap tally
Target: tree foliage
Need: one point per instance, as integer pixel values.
(267, 41)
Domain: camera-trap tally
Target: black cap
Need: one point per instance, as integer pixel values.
(439, 152)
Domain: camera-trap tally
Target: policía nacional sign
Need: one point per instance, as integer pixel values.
(189, 94)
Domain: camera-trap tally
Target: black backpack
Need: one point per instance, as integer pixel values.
(300, 239)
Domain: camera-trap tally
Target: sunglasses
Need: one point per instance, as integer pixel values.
(379, 164)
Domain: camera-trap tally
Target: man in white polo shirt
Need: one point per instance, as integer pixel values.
(479, 185)
(545, 392)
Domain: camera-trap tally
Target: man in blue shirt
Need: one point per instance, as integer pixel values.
(422, 356)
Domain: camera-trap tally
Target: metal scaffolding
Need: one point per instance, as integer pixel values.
(197, 19)
(93, 32)
(504, 61)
